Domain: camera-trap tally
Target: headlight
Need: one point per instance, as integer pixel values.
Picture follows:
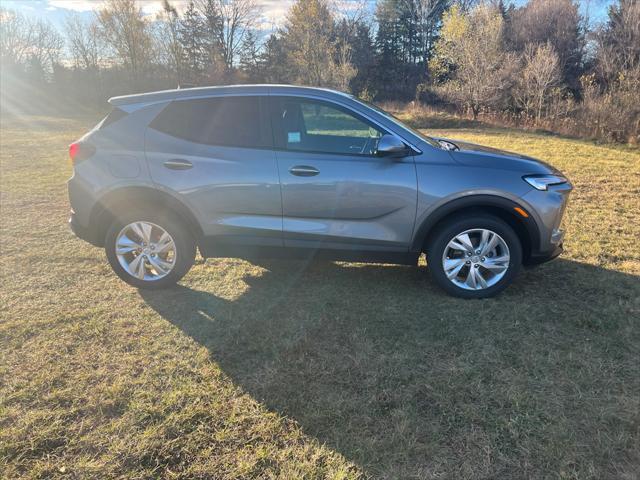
(541, 182)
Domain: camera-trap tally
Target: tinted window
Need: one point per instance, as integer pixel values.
(226, 121)
(115, 115)
(308, 125)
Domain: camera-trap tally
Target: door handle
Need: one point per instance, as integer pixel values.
(178, 164)
(304, 171)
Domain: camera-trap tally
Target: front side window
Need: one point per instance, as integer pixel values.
(222, 121)
(398, 122)
(314, 126)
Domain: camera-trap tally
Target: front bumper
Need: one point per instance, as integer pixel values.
(549, 208)
(557, 247)
(539, 258)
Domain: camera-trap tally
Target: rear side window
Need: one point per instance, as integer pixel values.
(223, 121)
(115, 115)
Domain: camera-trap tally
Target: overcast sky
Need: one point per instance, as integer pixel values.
(273, 11)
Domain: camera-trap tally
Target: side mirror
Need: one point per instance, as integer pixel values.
(391, 146)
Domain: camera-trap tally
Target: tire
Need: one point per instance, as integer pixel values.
(496, 278)
(183, 248)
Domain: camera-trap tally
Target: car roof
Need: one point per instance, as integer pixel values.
(181, 93)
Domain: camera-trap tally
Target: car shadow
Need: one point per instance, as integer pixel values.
(377, 363)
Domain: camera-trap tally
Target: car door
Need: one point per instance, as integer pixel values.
(336, 193)
(216, 154)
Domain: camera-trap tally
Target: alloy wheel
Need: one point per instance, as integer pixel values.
(146, 251)
(476, 259)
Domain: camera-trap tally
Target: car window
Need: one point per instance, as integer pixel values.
(398, 122)
(314, 126)
(115, 115)
(224, 121)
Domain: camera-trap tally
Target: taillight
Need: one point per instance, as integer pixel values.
(79, 151)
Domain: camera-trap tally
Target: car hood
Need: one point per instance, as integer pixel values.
(473, 155)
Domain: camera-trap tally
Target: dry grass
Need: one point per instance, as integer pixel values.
(318, 370)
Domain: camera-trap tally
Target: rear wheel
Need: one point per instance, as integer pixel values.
(149, 250)
(474, 257)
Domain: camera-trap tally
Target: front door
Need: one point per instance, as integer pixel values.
(336, 193)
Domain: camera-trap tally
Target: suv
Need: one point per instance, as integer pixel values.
(268, 171)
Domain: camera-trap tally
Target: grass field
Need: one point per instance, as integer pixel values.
(318, 370)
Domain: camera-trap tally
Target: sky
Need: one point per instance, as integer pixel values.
(273, 11)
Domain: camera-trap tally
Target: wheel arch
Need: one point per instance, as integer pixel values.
(526, 228)
(114, 201)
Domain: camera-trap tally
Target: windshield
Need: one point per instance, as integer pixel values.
(398, 122)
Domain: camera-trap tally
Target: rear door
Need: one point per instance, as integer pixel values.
(217, 155)
(336, 193)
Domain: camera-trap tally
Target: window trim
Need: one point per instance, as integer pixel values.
(274, 103)
(264, 121)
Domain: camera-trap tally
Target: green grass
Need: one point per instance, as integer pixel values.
(318, 370)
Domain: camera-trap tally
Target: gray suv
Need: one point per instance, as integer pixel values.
(282, 171)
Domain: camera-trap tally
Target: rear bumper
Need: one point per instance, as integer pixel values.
(84, 233)
(82, 202)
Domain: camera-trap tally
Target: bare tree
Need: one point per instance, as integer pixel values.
(168, 40)
(618, 42)
(557, 22)
(343, 69)
(539, 75)
(238, 18)
(124, 29)
(466, 5)
(16, 35)
(47, 44)
(358, 12)
(26, 41)
(84, 44)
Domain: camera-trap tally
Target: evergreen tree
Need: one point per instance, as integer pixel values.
(394, 75)
(192, 35)
(210, 10)
(407, 31)
(250, 58)
(272, 63)
(357, 36)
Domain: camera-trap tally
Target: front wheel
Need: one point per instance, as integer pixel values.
(474, 257)
(149, 250)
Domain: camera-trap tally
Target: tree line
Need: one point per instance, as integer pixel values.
(539, 64)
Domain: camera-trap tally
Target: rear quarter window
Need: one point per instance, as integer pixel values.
(115, 115)
(223, 121)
